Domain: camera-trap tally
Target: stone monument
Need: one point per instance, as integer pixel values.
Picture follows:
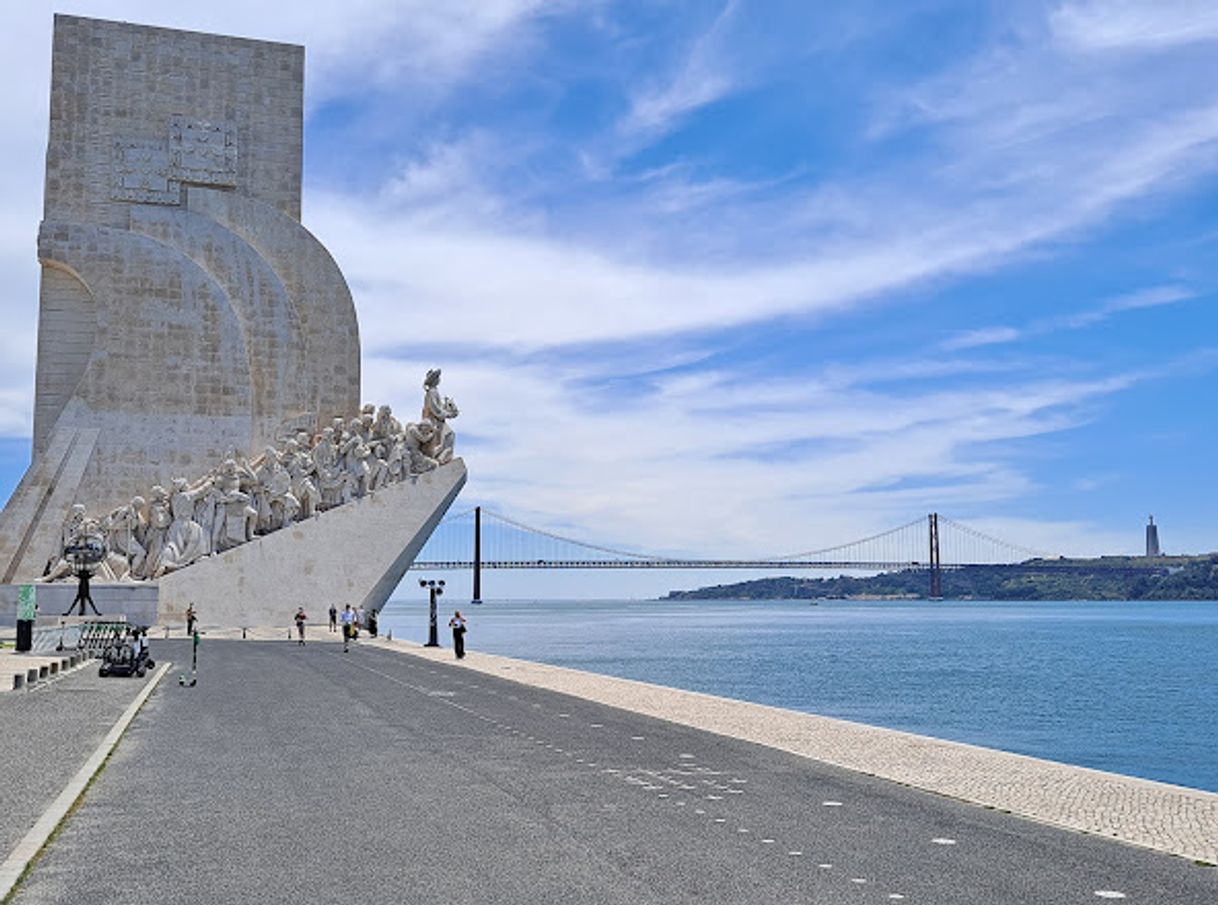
(186, 316)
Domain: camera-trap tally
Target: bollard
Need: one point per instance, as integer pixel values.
(243, 633)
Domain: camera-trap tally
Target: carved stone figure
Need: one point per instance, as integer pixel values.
(274, 501)
(238, 500)
(299, 465)
(418, 438)
(160, 517)
(240, 518)
(57, 565)
(185, 541)
(438, 410)
(125, 528)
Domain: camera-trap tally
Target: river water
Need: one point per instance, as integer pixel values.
(1120, 686)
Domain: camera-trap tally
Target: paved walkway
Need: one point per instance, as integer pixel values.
(309, 775)
(48, 732)
(1163, 817)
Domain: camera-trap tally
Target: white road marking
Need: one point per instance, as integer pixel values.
(859, 880)
(636, 738)
(796, 854)
(830, 804)
(742, 830)
(597, 725)
(825, 866)
(720, 820)
(686, 756)
(1109, 894)
(767, 841)
(895, 896)
(943, 840)
(699, 811)
(714, 798)
(564, 716)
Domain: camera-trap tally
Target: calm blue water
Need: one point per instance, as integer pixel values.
(1126, 687)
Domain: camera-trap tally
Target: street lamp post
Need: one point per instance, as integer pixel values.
(435, 589)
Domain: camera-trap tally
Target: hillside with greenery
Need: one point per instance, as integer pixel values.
(1109, 578)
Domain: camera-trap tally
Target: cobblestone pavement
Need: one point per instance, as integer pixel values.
(46, 735)
(1162, 817)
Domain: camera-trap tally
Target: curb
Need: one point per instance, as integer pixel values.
(28, 848)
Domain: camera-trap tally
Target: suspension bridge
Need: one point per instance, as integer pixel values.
(480, 539)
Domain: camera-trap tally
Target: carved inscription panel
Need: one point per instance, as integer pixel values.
(195, 151)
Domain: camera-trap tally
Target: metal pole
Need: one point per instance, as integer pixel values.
(936, 574)
(432, 636)
(477, 555)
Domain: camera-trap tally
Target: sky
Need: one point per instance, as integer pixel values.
(728, 279)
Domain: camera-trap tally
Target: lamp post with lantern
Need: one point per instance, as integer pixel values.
(435, 589)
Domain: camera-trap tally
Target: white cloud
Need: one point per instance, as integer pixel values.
(1106, 25)
(703, 77)
(1152, 297)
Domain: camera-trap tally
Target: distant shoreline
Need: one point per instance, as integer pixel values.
(1106, 578)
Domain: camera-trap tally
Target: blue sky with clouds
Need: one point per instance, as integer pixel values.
(738, 278)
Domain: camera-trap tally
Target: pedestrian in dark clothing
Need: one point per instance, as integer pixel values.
(300, 624)
(333, 618)
(190, 620)
(457, 624)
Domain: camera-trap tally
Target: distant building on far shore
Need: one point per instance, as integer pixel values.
(1152, 539)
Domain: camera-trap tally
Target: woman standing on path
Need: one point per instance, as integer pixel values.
(300, 624)
(457, 624)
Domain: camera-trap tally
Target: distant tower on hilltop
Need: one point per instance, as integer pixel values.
(1152, 539)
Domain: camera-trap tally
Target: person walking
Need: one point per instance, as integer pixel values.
(300, 624)
(191, 619)
(457, 624)
(333, 618)
(348, 621)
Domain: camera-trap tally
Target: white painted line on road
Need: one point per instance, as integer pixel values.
(27, 849)
(943, 840)
(895, 896)
(564, 716)
(858, 880)
(830, 804)
(1109, 894)
(795, 854)
(720, 820)
(699, 811)
(686, 756)
(767, 841)
(825, 866)
(596, 725)
(742, 830)
(636, 738)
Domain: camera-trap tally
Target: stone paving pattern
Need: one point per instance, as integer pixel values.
(49, 732)
(1162, 817)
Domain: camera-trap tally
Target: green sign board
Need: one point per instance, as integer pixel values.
(25, 602)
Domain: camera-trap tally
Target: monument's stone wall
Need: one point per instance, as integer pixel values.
(184, 310)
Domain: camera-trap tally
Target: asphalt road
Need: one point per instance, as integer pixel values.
(300, 775)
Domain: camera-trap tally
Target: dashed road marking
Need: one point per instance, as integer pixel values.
(795, 854)
(943, 840)
(1109, 894)
(767, 841)
(830, 804)
(825, 866)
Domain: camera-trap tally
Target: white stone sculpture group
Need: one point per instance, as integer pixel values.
(240, 500)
